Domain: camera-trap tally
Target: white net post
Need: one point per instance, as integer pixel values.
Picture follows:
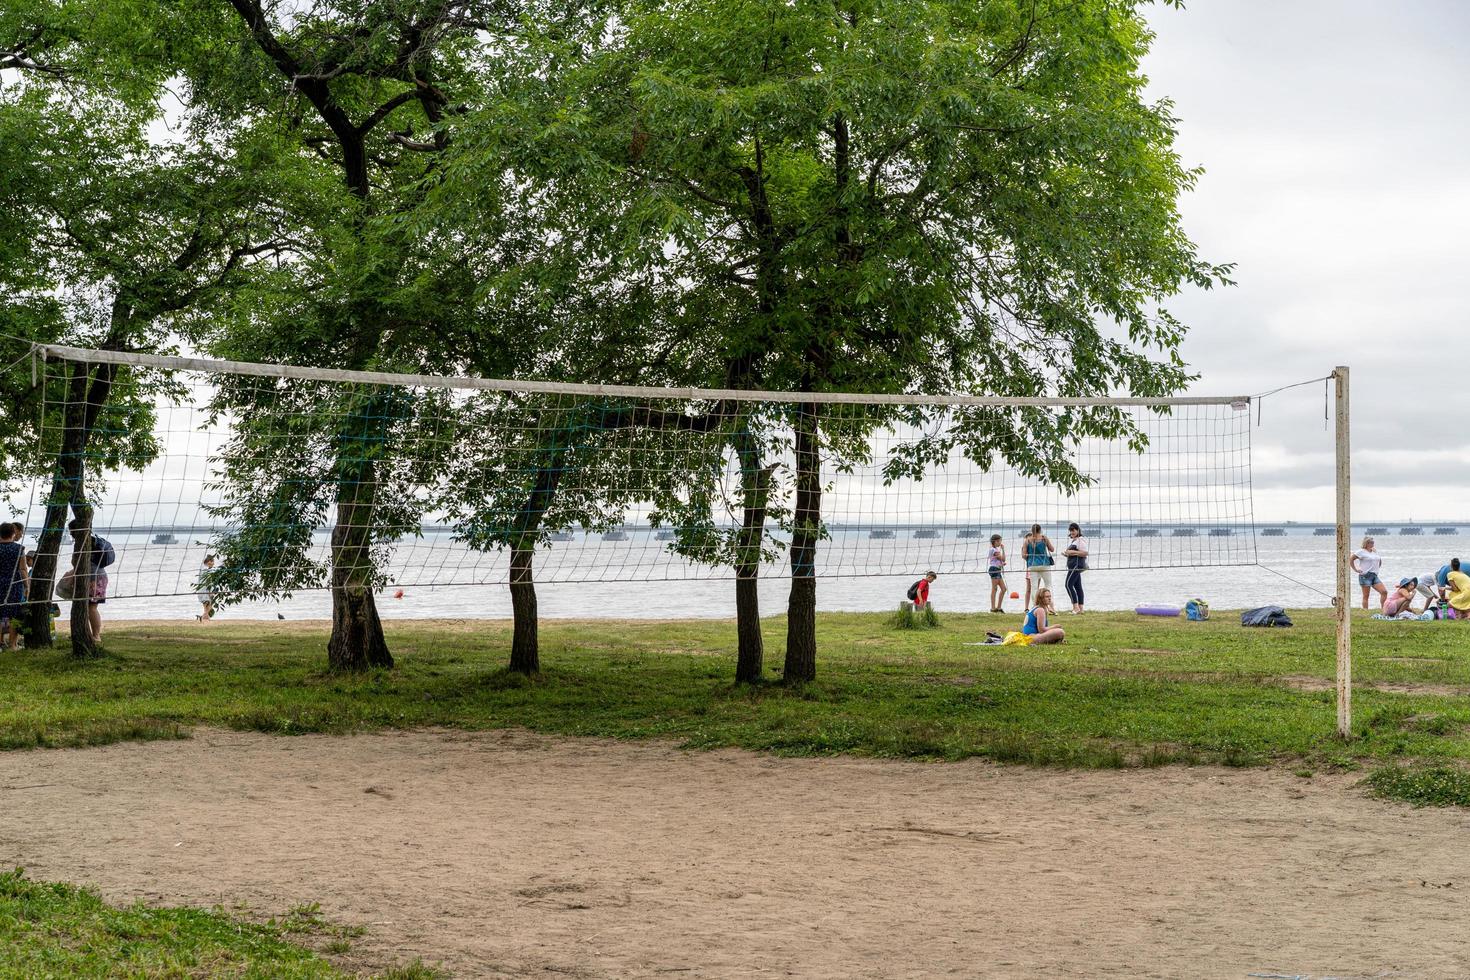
(1343, 601)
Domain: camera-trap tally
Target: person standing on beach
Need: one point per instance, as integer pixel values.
(205, 594)
(995, 561)
(1076, 554)
(1366, 562)
(1037, 549)
(14, 582)
(94, 553)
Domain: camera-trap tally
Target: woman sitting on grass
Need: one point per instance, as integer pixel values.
(1396, 606)
(1036, 626)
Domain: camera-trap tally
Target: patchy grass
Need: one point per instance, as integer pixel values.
(1437, 784)
(1123, 691)
(58, 930)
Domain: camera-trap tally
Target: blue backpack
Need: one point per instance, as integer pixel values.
(102, 552)
(1197, 610)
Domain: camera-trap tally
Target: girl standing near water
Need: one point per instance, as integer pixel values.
(996, 563)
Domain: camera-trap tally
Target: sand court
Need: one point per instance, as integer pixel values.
(513, 854)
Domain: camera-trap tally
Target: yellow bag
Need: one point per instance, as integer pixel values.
(1014, 639)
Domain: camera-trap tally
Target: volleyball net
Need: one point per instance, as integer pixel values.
(284, 474)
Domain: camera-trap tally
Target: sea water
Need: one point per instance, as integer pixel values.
(439, 577)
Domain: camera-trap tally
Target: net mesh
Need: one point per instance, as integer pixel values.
(411, 485)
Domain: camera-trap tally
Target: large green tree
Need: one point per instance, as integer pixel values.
(887, 196)
(354, 93)
(113, 239)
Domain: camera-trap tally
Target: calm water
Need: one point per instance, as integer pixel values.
(1229, 572)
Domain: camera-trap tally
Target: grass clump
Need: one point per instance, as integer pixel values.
(909, 618)
(50, 929)
(1436, 784)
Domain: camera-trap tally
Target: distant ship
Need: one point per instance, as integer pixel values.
(165, 539)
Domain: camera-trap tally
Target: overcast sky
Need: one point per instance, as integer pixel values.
(1335, 139)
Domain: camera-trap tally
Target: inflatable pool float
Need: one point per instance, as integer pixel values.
(1172, 611)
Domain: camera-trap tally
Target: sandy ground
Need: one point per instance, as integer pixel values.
(509, 854)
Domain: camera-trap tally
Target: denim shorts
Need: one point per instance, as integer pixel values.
(1368, 579)
(995, 574)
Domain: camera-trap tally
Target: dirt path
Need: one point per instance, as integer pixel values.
(508, 854)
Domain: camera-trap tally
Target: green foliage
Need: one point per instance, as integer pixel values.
(1438, 784)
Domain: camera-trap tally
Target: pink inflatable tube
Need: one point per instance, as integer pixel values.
(1158, 610)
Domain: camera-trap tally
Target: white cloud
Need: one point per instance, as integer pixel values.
(1336, 146)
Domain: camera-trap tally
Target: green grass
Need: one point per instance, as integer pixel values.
(58, 930)
(1436, 784)
(1123, 691)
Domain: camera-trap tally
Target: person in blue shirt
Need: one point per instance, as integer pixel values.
(1036, 551)
(1442, 577)
(1036, 625)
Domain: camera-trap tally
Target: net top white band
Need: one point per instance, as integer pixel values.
(210, 365)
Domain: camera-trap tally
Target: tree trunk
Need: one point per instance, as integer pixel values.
(43, 579)
(357, 642)
(525, 649)
(83, 644)
(754, 489)
(801, 611)
(750, 661)
(525, 652)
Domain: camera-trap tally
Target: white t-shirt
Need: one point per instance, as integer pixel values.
(994, 558)
(1368, 561)
(1428, 583)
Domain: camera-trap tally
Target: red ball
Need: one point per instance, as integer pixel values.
(1015, 595)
